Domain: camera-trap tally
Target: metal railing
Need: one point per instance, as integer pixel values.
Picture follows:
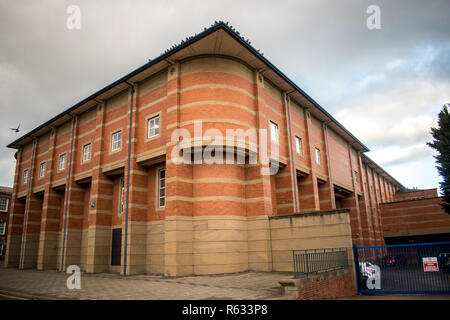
(312, 261)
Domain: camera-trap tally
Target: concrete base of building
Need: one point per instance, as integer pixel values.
(205, 245)
(12, 258)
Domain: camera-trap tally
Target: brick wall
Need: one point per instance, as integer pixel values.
(322, 287)
(430, 193)
(328, 285)
(5, 193)
(414, 217)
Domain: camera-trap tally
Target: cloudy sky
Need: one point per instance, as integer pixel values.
(385, 85)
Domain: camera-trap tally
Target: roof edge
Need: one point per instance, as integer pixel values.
(167, 54)
(401, 186)
(147, 65)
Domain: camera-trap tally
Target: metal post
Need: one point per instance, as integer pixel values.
(128, 181)
(74, 120)
(306, 261)
(295, 263)
(357, 271)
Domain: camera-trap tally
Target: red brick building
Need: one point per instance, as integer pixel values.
(99, 186)
(5, 200)
(415, 216)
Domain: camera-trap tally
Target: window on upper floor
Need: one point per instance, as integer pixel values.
(62, 162)
(116, 140)
(4, 204)
(87, 148)
(2, 228)
(153, 127)
(25, 176)
(298, 145)
(318, 156)
(42, 168)
(274, 132)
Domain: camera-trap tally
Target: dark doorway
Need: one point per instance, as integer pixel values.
(116, 248)
(427, 238)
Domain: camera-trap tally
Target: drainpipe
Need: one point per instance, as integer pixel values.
(128, 179)
(27, 206)
(67, 194)
(293, 171)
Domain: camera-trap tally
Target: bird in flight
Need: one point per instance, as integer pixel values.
(15, 129)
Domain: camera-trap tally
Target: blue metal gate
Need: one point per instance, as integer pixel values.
(409, 268)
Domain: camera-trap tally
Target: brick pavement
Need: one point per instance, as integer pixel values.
(52, 285)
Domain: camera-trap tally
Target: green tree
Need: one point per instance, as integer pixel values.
(441, 144)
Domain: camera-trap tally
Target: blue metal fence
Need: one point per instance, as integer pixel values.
(410, 268)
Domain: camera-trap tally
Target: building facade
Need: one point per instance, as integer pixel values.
(101, 185)
(5, 200)
(415, 216)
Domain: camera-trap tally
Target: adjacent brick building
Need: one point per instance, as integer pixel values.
(415, 216)
(98, 185)
(5, 201)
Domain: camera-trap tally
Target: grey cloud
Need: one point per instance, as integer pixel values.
(413, 154)
(401, 140)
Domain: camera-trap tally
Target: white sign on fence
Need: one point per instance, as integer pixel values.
(430, 264)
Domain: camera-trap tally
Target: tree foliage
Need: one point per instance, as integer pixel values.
(441, 143)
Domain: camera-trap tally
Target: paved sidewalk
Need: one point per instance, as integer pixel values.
(35, 284)
(398, 296)
(52, 285)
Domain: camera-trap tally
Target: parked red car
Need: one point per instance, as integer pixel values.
(393, 260)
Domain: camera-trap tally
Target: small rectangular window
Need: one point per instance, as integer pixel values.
(318, 156)
(162, 188)
(121, 195)
(116, 140)
(62, 162)
(298, 145)
(2, 228)
(25, 176)
(87, 152)
(273, 131)
(42, 168)
(4, 204)
(1, 249)
(356, 176)
(153, 127)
